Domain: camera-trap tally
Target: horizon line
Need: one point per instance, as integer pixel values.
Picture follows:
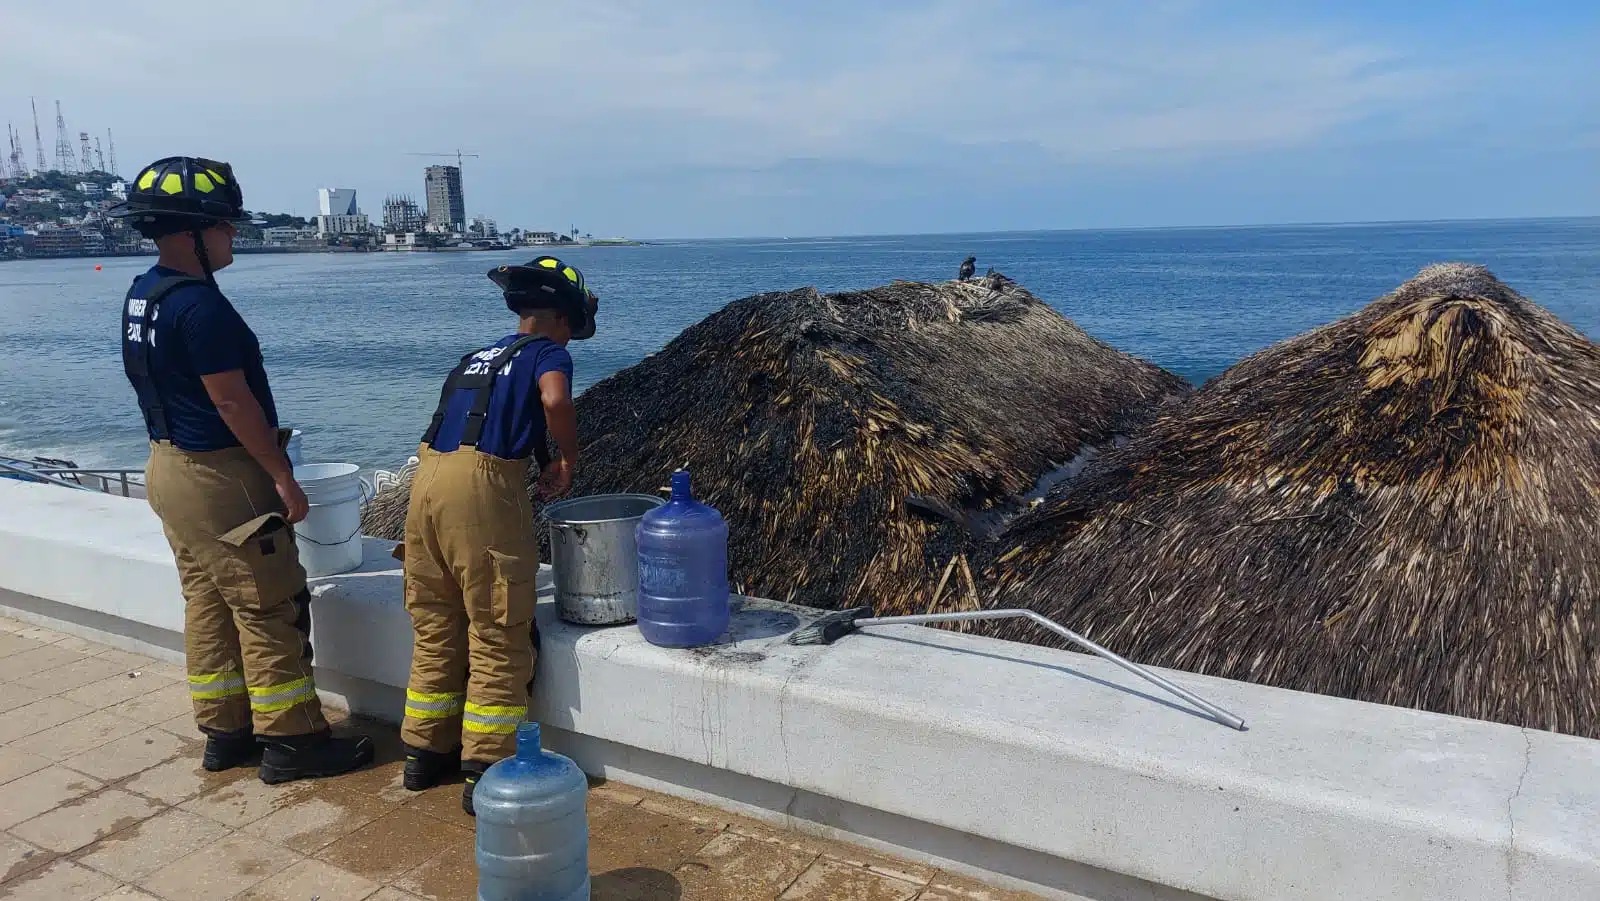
(1357, 223)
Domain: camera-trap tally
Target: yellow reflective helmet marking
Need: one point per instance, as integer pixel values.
(202, 183)
(216, 176)
(147, 179)
(172, 183)
(549, 262)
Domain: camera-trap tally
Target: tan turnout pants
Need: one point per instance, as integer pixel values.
(471, 564)
(247, 618)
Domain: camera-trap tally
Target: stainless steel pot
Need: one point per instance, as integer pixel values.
(594, 556)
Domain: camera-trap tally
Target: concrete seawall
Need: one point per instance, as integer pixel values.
(1042, 769)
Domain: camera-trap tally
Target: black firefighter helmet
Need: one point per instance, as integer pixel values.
(182, 193)
(546, 283)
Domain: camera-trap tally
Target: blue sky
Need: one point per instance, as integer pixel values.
(704, 118)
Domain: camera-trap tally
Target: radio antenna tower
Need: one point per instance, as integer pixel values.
(19, 170)
(112, 146)
(99, 156)
(87, 164)
(65, 161)
(38, 142)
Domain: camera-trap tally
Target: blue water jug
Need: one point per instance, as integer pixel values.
(533, 828)
(683, 571)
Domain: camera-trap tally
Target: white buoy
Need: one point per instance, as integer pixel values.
(330, 536)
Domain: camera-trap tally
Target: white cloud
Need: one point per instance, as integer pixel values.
(297, 92)
(736, 86)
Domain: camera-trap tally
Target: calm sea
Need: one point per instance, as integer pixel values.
(356, 345)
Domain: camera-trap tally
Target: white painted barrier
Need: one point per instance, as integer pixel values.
(1044, 769)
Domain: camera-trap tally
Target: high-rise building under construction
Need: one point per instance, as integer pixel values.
(447, 208)
(400, 214)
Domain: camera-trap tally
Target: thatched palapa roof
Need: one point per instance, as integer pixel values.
(808, 419)
(1400, 507)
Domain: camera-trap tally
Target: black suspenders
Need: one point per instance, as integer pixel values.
(138, 334)
(478, 376)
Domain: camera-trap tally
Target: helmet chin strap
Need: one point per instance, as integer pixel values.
(205, 258)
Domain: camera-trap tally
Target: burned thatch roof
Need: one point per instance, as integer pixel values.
(1399, 507)
(808, 419)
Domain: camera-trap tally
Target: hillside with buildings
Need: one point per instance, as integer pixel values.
(60, 214)
(61, 210)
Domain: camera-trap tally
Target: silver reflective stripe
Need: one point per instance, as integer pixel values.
(215, 686)
(453, 705)
(508, 720)
(298, 692)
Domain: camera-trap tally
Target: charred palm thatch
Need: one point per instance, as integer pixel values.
(1399, 507)
(808, 419)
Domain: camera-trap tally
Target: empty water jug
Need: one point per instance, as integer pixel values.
(683, 571)
(533, 828)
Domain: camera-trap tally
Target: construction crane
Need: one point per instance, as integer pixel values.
(457, 154)
(111, 144)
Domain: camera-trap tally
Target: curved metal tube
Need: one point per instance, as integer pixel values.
(1220, 715)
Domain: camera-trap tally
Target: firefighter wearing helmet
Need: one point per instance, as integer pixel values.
(471, 555)
(221, 484)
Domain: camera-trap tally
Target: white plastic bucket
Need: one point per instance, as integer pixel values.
(291, 448)
(330, 536)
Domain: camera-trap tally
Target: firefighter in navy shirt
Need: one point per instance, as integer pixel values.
(220, 482)
(471, 555)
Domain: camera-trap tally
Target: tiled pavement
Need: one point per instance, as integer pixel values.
(102, 799)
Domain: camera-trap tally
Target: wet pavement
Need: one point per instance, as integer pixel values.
(102, 798)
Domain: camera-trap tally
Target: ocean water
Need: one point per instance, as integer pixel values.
(358, 344)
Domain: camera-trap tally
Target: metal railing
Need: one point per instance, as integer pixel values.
(107, 481)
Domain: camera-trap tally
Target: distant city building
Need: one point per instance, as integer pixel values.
(483, 227)
(405, 241)
(285, 234)
(10, 236)
(336, 201)
(90, 189)
(344, 224)
(401, 214)
(63, 242)
(447, 207)
(538, 238)
(119, 189)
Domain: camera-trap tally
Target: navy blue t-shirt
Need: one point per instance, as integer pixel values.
(198, 332)
(515, 421)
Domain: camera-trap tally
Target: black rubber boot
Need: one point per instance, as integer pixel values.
(315, 756)
(226, 750)
(425, 769)
(472, 770)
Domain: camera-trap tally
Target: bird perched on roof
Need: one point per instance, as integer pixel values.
(968, 267)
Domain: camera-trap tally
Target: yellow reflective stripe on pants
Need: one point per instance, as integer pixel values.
(434, 705)
(494, 720)
(215, 686)
(271, 698)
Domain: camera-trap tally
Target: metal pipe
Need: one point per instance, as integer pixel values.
(1220, 715)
